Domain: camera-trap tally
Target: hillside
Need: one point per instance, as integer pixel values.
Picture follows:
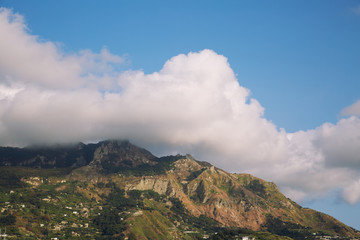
(115, 190)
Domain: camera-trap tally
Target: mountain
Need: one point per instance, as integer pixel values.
(115, 190)
(113, 153)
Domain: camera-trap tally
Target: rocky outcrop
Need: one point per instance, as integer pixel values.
(159, 185)
(234, 200)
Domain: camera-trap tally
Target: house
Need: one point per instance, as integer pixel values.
(248, 238)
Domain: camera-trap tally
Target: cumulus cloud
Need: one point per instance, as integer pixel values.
(194, 104)
(28, 59)
(340, 143)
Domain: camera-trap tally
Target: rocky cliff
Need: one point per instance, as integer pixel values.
(234, 200)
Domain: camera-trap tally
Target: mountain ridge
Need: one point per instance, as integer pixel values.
(232, 200)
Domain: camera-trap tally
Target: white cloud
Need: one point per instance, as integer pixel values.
(352, 110)
(340, 143)
(8, 93)
(322, 159)
(194, 104)
(352, 192)
(26, 58)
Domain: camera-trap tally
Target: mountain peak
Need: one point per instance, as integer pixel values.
(112, 155)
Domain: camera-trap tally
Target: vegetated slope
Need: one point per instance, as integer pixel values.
(123, 190)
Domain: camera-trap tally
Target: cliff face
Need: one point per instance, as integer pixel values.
(233, 200)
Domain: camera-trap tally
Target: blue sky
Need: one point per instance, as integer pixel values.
(299, 59)
(306, 53)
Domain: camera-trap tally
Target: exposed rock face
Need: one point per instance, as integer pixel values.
(239, 200)
(159, 185)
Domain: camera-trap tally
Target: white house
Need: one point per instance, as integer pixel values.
(248, 238)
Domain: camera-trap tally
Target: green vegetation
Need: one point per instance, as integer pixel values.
(97, 201)
(236, 233)
(162, 165)
(237, 192)
(109, 222)
(9, 180)
(195, 174)
(257, 187)
(61, 156)
(7, 220)
(293, 230)
(10, 177)
(296, 231)
(45, 203)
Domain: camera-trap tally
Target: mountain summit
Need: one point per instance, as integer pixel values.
(114, 155)
(180, 197)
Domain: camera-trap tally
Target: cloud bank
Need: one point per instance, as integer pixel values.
(194, 104)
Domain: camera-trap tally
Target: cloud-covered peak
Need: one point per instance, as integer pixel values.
(194, 104)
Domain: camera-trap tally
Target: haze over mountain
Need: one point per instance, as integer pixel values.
(196, 103)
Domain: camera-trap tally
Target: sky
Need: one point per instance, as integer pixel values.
(269, 88)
